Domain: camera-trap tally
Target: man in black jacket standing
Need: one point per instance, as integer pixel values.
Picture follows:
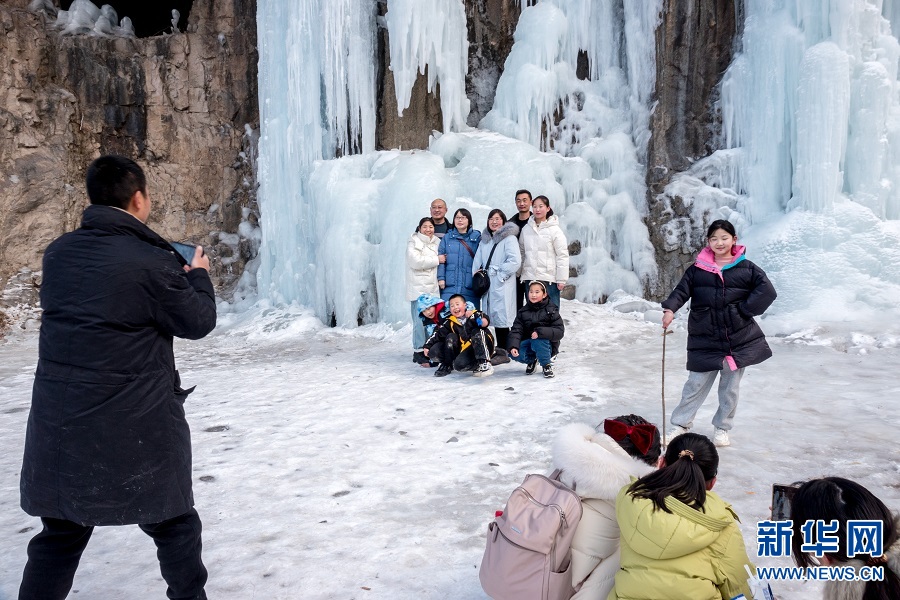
(107, 440)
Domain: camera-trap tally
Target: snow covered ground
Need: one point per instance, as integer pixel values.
(329, 466)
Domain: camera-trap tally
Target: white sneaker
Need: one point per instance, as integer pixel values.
(483, 370)
(721, 438)
(675, 432)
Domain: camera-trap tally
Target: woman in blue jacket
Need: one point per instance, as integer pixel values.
(456, 254)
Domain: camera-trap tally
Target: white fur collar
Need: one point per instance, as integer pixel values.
(597, 465)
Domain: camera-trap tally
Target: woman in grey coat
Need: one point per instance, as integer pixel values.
(499, 303)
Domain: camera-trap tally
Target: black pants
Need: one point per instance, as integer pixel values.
(521, 292)
(448, 353)
(502, 333)
(54, 553)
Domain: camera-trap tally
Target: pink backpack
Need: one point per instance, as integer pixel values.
(528, 546)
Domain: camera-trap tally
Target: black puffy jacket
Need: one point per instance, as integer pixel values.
(107, 441)
(542, 317)
(721, 322)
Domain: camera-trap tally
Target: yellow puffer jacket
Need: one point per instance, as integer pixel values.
(682, 555)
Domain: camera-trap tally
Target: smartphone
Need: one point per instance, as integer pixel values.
(781, 500)
(185, 250)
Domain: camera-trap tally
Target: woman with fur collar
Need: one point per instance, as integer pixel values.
(597, 464)
(499, 303)
(837, 499)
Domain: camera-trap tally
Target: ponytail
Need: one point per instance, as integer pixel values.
(842, 500)
(691, 462)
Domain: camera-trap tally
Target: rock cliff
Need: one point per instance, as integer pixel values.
(184, 105)
(694, 46)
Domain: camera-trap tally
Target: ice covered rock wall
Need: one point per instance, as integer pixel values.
(184, 106)
(617, 111)
(809, 167)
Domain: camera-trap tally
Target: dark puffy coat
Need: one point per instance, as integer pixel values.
(723, 304)
(542, 317)
(107, 441)
(464, 331)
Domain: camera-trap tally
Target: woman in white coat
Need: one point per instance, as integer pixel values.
(421, 278)
(597, 464)
(499, 303)
(545, 251)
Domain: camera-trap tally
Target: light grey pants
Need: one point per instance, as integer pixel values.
(697, 387)
(418, 329)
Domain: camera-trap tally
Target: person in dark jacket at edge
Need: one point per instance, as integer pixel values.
(107, 442)
(726, 291)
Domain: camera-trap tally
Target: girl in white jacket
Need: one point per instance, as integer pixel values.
(545, 251)
(421, 277)
(597, 463)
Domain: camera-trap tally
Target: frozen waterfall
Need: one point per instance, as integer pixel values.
(809, 169)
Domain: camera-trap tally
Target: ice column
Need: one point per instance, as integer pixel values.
(812, 102)
(602, 120)
(432, 34)
(823, 106)
(317, 98)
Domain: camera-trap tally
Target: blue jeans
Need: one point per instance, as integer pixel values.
(531, 350)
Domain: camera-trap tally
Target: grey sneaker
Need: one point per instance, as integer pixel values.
(548, 371)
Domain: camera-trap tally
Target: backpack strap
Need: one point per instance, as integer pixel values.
(557, 473)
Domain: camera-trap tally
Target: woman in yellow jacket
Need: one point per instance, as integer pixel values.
(679, 540)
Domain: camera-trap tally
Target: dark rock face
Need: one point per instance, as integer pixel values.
(178, 104)
(421, 117)
(490, 24)
(694, 46)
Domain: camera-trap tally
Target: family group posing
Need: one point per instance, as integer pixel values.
(522, 262)
(526, 261)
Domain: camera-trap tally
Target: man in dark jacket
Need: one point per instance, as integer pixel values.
(107, 441)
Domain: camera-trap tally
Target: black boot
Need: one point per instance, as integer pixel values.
(443, 371)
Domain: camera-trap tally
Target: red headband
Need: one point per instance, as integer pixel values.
(640, 435)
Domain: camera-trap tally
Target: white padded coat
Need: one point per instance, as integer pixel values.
(421, 266)
(598, 468)
(545, 251)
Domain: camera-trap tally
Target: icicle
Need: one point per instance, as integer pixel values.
(432, 34)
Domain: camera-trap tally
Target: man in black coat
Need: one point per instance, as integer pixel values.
(107, 440)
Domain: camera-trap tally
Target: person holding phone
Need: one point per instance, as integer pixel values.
(838, 499)
(107, 441)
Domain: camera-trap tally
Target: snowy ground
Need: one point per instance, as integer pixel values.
(327, 465)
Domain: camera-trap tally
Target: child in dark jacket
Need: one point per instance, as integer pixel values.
(462, 341)
(536, 327)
